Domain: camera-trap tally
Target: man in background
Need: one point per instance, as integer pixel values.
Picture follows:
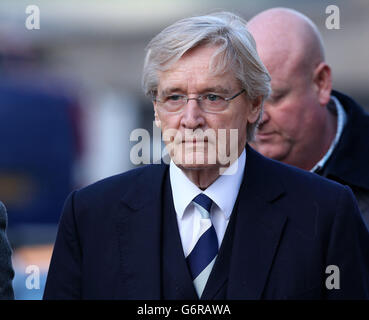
(6, 269)
(305, 123)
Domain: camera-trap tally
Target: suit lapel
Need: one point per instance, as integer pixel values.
(139, 232)
(258, 230)
(174, 262)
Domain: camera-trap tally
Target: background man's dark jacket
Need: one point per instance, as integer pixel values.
(290, 226)
(6, 269)
(349, 162)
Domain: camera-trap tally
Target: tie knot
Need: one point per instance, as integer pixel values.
(204, 201)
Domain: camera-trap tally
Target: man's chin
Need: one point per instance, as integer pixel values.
(195, 161)
(270, 150)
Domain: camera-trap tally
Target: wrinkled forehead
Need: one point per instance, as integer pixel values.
(204, 65)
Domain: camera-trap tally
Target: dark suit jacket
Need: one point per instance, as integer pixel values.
(290, 226)
(349, 162)
(6, 269)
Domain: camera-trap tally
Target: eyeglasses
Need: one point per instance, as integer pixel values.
(209, 102)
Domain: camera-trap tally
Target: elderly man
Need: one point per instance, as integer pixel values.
(200, 227)
(304, 123)
(6, 269)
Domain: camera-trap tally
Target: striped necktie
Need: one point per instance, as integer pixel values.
(202, 257)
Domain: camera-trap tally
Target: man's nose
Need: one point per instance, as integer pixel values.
(193, 116)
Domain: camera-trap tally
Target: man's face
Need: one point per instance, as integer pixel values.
(191, 76)
(288, 126)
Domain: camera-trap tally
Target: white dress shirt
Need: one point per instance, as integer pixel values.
(222, 191)
(341, 121)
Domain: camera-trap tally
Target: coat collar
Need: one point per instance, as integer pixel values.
(259, 226)
(349, 160)
(139, 231)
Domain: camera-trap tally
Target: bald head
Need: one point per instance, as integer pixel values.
(285, 35)
(296, 127)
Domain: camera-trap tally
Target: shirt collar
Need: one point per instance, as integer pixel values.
(341, 121)
(184, 190)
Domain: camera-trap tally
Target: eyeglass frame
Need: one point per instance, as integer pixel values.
(199, 98)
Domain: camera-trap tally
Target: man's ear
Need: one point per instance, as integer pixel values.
(255, 107)
(322, 79)
(157, 119)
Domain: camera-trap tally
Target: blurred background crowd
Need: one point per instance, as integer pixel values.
(70, 95)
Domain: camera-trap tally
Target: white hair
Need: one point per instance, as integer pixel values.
(236, 52)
